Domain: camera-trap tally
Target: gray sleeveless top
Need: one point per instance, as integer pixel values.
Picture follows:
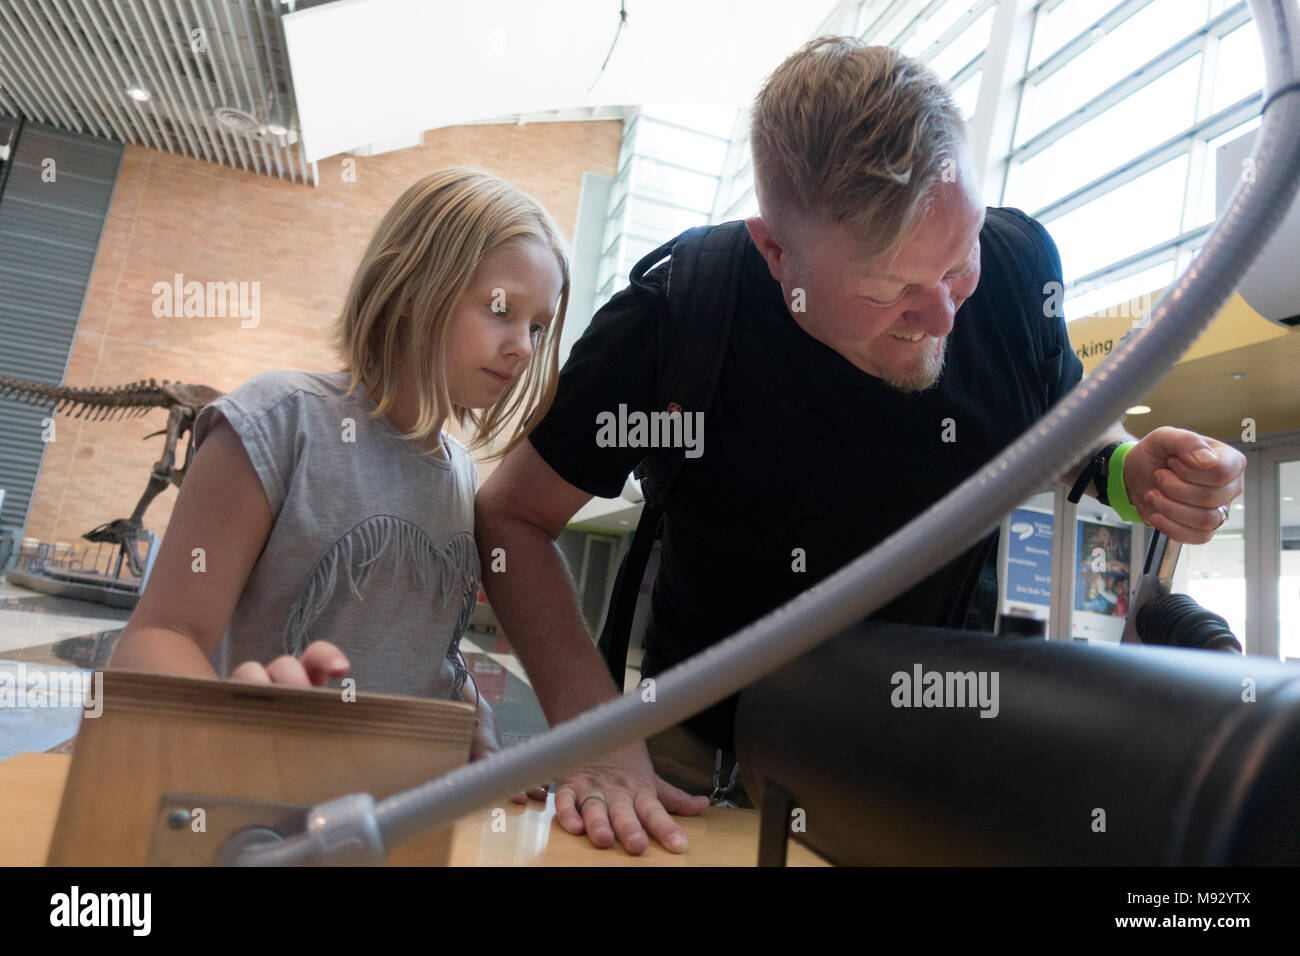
(372, 547)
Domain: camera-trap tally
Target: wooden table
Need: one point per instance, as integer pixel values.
(31, 785)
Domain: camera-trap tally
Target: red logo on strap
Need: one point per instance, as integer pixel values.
(674, 408)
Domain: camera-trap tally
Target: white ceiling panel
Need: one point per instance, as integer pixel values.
(368, 71)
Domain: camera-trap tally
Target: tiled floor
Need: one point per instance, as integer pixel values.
(51, 632)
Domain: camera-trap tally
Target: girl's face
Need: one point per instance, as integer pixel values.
(510, 301)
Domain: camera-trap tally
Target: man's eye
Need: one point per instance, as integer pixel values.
(881, 303)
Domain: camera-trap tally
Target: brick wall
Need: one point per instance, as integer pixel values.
(171, 214)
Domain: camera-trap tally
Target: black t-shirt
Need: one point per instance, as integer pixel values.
(807, 461)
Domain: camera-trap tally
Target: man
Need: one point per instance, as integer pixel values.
(891, 335)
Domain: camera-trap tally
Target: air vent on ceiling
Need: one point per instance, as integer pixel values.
(237, 120)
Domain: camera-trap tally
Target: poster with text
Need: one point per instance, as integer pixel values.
(1029, 564)
(1101, 581)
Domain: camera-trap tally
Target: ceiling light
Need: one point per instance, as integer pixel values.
(1138, 410)
(1238, 375)
(139, 92)
(1288, 497)
(1239, 507)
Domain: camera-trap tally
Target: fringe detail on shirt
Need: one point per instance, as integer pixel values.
(452, 569)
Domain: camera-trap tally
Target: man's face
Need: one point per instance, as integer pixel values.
(889, 318)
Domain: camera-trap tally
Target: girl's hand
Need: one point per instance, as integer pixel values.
(487, 740)
(320, 662)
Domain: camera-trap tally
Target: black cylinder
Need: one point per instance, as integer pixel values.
(1178, 621)
(1089, 755)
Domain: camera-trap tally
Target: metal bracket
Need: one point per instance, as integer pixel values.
(1157, 578)
(225, 826)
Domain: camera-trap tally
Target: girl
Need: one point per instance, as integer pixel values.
(332, 507)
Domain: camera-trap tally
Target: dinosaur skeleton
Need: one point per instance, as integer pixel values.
(183, 404)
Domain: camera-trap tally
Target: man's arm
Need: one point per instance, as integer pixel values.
(1181, 483)
(522, 509)
(1176, 479)
(1115, 433)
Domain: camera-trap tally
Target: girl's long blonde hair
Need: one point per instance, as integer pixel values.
(424, 252)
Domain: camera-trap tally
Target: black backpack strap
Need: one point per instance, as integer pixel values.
(617, 632)
(703, 288)
(704, 280)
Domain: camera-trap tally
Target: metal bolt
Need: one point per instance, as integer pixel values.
(178, 819)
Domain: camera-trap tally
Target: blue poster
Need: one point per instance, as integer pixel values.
(1029, 559)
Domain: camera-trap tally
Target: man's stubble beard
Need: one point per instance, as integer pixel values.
(923, 376)
(919, 379)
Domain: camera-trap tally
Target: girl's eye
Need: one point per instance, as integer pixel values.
(537, 330)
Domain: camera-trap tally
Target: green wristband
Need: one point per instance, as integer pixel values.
(1115, 489)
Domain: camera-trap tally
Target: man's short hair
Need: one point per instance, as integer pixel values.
(853, 135)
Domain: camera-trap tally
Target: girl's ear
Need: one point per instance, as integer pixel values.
(404, 331)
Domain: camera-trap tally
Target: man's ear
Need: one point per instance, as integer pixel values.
(777, 258)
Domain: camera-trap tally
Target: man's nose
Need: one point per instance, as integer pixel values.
(934, 313)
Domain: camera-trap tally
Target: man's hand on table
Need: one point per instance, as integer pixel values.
(1182, 483)
(622, 797)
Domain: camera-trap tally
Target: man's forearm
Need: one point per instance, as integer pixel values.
(535, 601)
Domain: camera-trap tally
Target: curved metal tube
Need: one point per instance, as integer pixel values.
(966, 514)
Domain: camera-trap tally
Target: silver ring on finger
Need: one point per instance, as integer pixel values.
(592, 796)
(1223, 516)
